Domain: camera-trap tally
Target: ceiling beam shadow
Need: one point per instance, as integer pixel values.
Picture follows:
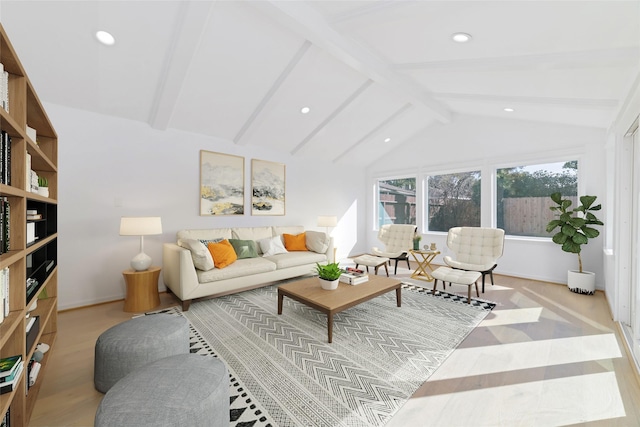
(310, 24)
(333, 115)
(586, 59)
(407, 107)
(190, 26)
(272, 91)
(586, 103)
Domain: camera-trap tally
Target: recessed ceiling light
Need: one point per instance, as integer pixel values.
(105, 38)
(461, 37)
(387, 140)
(509, 109)
(305, 110)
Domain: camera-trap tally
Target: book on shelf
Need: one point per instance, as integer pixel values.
(34, 217)
(9, 386)
(34, 370)
(28, 171)
(5, 221)
(4, 290)
(14, 374)
(5, 166)
(8, 365)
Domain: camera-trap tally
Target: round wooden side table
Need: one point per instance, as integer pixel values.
(142, 289)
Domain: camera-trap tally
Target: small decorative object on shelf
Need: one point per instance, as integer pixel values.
(43, 186)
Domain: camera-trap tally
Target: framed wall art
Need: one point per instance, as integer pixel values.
(221, 184)
(267, 188)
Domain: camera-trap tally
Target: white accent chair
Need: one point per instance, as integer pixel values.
(476, 249)
(398, 241)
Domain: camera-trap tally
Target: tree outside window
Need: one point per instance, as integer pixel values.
(523, 195)
(397, 201)
(453, 200)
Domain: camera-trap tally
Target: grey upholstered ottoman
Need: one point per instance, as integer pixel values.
(135, 343)
(183, 390)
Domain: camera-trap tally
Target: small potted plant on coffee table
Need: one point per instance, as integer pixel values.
(329, 275)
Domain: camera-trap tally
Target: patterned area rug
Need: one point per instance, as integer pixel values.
(284, 373)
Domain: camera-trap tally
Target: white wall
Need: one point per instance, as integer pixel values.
(472, 143)
(110, 167)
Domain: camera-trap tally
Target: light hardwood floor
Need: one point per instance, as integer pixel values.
(513, 370)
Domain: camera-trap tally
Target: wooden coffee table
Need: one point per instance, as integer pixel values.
(309, 292)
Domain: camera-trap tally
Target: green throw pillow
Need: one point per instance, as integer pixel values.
(244, 248)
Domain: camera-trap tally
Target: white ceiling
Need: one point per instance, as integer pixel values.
(369, 70)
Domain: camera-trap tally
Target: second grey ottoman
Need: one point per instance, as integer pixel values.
(183, 390)
(135, 343)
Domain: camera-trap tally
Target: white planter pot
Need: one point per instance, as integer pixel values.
(581, 283)
(43, 191)
(329, 285)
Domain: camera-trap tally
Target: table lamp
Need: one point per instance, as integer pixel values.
(327, 221)
(140, 226)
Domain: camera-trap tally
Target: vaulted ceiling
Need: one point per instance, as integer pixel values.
(373, 73)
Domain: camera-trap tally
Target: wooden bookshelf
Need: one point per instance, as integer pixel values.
(34, 260)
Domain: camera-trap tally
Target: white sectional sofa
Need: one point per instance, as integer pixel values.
(187, 282)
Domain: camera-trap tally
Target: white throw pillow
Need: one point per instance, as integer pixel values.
(201, 256)
(317, 241)
(272, 246)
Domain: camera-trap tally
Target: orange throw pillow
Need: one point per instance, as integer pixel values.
(223, 253)
(295, 242)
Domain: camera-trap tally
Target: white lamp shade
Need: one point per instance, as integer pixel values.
(140, 225)
(327, 221)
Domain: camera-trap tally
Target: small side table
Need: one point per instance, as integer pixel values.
(142, 290)
(423, 258)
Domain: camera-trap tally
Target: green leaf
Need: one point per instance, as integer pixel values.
(590, 232)
(568, 230)
(587, 201)
(577, 222)
(556, 197)
(560, 238)
(553, 224)
(596, 208)
(565, 204)
(569, 246)
(579, 239)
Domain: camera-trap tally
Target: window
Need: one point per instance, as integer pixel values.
(523, 196)
(453, 200)
(397, 201)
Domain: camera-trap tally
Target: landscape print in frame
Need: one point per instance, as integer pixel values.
(267, 188)
(221, 184)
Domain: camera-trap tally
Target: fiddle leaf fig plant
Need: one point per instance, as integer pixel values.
(329, 271)
(574, 225)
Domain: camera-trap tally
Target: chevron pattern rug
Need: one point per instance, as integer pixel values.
(284, 373)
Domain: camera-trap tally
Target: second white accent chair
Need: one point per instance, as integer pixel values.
(476, 249)
(398, 241)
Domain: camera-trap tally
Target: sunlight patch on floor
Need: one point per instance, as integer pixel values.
(465, 362)
(511, 317)
(560, 401)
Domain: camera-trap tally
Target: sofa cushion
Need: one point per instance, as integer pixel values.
(317, 241)
(222, 253)
(294, 259)
(252, 233)
(240, 268)
(244, 248)
(294, 242)
(200, 254)
(272, 246)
